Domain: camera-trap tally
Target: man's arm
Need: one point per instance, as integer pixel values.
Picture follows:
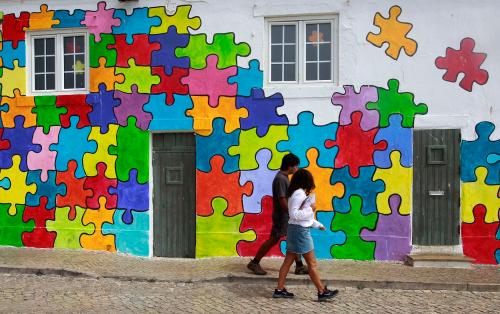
(283, 203)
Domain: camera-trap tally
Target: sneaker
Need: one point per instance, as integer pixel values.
(256, 269)
(301, 270)
(327, 294)
(282, 294)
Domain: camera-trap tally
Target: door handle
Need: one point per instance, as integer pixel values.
(436, 193)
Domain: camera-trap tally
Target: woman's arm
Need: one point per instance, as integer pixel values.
(294, 203)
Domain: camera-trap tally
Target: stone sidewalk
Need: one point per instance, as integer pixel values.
(339, 273)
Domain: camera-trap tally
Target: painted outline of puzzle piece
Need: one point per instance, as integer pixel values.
(100, 21)
(47, 113)
(12, 225)
(103, 75)
(248, 78)
(479, 192)
(49, 189)
(399, 139)
(19, 105)
(10, 80)
(132, 239)
(394, 33)
(103, 105)
(39, 237)
(165, 56)
(180, 19)
(43, 19)
(67, 20)
(136, 75)
(97, 217)
(170, 118)
(104, 141)
(140, 49)
(350, 101)
(76, 195)
(19, 188)
(170, 84)
(138, 22)
(100, 186)
(132, 197)
(479, 239)
(8, 54)
(131, 104)
(68, 231)
(13, 28)
(465, 61)
(21, 144)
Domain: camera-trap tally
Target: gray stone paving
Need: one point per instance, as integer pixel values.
(55, 294)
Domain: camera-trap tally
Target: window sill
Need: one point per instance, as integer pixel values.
(304, 90)
(57, 93)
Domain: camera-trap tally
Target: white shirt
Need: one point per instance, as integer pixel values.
(300, 210)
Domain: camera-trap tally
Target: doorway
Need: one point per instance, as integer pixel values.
(174, 195)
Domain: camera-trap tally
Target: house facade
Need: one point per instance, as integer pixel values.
(155, 128)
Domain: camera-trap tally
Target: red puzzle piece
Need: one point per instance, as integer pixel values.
(39, 237)
(356, 146)
(463, 61)
(100, 185)
(140, 50)
(76, 195)
(479, 238)
(217, 183)
(76, 106)
(262, 224)
(4, 144)
(170, 84)
(13, 27)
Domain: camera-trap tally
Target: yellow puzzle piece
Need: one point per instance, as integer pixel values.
(13, 79)
(97, 240)
(16, 195)
(180, 20)
(474, 193)
(104, 141)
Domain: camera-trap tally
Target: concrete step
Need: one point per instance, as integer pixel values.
(439, 260)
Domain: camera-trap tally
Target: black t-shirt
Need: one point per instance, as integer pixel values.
(280, 187)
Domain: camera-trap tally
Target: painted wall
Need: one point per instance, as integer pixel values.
(74, 170)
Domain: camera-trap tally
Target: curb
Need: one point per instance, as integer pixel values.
(359, 284)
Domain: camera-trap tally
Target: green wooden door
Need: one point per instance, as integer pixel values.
(174, 195)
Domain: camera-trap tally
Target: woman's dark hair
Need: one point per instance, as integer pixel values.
(302, 179)
(289, 160)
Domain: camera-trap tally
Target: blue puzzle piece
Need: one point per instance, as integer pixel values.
(67, 20)
(73, 144)
(166, 55)
(306, 135)
(5, 183)
(248, 78)
(9, 54)
(262, 111)
(103, 105)
(217, 143)
(21, 142)
(136, 23)
(132, 196)
(475, 153)
(324, 240)
(169, 117)
(398, 138)
(48, 188)
(130, 238)
(362, 185)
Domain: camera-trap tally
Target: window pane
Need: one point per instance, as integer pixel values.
(276, 34)
(325, 71)
(50, 46)
(325, 30)
(50, 64)
(80, 80)
(311, 71)
(276, 72)
(325, 53)
(289, 53)
(39, 82)
(39, 47)
(79, 44)
(290, 33)
(311, 32)
(68, 63)
(79, 62)
(311, 52)
(276, 53)
(51, 81)
(39, 64)
(69, 80)
(289, 74)
(68, 45)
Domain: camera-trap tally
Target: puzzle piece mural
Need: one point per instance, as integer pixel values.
(479, 238)
(480, 193)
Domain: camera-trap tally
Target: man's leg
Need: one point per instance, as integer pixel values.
(263, 250)
(300, 268)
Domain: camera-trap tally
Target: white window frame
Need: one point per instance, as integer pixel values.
(301, 21)
(59, 35)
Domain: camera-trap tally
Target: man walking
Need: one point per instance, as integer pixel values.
(289, 165)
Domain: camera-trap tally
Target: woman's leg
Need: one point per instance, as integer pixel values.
(285, 267)
(313, 270)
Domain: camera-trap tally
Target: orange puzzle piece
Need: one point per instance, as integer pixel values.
(43, 19)
(19, 105)
(105, 75)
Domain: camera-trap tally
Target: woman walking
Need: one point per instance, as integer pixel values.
(301, 207)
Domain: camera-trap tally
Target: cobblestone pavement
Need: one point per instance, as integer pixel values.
(42, 294)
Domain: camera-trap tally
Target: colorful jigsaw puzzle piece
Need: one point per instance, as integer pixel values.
(131, 104)
(21, 144)
(12, 225)
(48, 189)
(98, 48)
(350, 101)
(97, 217)
(13, 28)
(170, 118)
(129, 238)
(47, 113)
(103, 75)
(479, 192)
(132, 197)
(67, 20)
(18, 105)
(68, 231)
(100, 186)
(42, 20)
(479, 239)
(39, 237)
(104, 141)
(136, 23)
(136, 75)
(140, 49)
(76, 195)
(103, 105)
(100, 21)
(8, 54)
(13, 79)
(170, 84)
(180, 19)
(398, 138)
(248, 78)
(165, 56)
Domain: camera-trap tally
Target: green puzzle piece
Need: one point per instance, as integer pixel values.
(100, 49)
(250, 143)
(47, 114)
(218, 235)
(136, 75)
(351, 223)
(69, 231)
(390, 101)
(223, 45)
(132, 150)
(12, 227)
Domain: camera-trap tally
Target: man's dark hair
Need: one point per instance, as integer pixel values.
(302, 179)
(290, 160)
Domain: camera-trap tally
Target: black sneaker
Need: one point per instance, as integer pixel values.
(282, 294)
(327, 294)
(256, 269)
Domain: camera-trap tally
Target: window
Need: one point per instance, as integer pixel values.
(57, 62)
(302, 51)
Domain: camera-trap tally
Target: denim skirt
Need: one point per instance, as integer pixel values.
(298, 239)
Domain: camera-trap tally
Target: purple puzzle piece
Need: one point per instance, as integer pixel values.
(132, 105)
(132, 196)
(21, 142)
(392, 233)
(262, 111)
(165, 56)
(397, 138)
(351, 101)
(103, 105)
(262, 179)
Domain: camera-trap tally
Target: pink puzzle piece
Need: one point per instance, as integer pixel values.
(351, 101)
(45, 159)
(100, 21)
(211, 81)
